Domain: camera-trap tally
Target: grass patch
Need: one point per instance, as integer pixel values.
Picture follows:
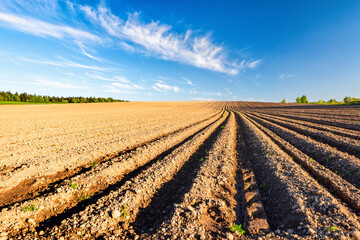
(237, 228)
(85, 196)
(332, 229)
(124, 213)
(29, 208)
(93, 164)
(73, 185)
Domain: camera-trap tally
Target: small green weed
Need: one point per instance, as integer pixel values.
(124, 213)
(311, 160)
(29, 208)
(93, 164)
(53, 145)
(201, 159)
(336, 172)
(222, 126)
(254, 141)
(85, 196)
(73, 185)
(263, 185)
(237, 228)
(348, 173)
(332, 229)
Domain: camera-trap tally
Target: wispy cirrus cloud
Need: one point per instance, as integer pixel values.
(188, 81)
(128, 86)
(285, 76)
(163, 87)
(118, 87)
(83, 51)
(67, 63)
(202, 99)
(56, 84)
(109, 79)
(44, 29)
(205, 93)
(159, 40)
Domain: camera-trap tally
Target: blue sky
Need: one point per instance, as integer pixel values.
(189, 50)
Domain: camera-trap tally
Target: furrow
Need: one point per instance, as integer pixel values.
(293, 201)
(344, 190)
(336, 130)
(50, 145)
(337, 123)
(65, 197)
(347, 166)
(207, 209)
(33, 187)
(344, 144)
(327, 114)
(255, 218)
(54, 162)
(118, 207)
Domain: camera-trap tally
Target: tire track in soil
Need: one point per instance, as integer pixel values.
(293, 201)
(347, 166)
(39, 186)
(71, 202)
(163, 203)
(183, 190)
(114, 196)
(344, 144)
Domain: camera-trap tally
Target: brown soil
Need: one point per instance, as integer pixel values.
(179, 170)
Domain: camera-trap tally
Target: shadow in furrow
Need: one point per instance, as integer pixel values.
(56, 220)
(241, 156)
(162, 205)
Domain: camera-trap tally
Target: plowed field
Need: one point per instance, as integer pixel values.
(179, 170)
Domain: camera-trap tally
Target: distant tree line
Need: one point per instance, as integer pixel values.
(24, 97)
(347, 100)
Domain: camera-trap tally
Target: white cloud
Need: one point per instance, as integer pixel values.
(227, 90)
(216, 94)
(66, 63)
(48, 83)
(254, 64)
(113, 79)
(194, 91)
(188, 81)
(43, 29)
(127, 86)
(162, 87)
(248, 64)
(113, 89)
(203, 99)
(285, 76)
(83, 51)
(157, 39)
(204, 93)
